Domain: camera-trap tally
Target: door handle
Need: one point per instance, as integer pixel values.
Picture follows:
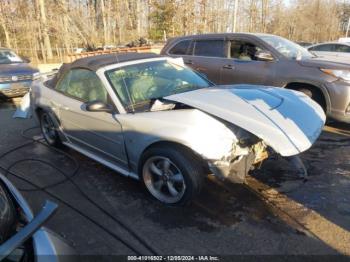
(188, 62)
(228, 67)
(66, 108)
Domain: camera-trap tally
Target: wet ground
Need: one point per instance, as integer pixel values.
(276, 213)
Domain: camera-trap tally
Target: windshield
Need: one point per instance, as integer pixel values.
(139, 85)
(287, 48)
(9, 57)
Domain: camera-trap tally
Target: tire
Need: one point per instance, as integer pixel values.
(314, 95)
(8, 216)
(48, 130)
(184, 174)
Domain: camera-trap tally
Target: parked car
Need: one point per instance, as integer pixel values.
(22, 237)
(152, 118)
(268, 60)
(16, 74)
(331, 49)
(79, 50)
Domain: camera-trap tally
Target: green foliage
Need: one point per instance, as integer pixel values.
(162, 18)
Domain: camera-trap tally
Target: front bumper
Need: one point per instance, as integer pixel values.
(14, 89)
(339, 93)
(242, 160)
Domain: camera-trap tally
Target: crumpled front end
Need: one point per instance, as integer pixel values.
(288, 121)
(236, 165)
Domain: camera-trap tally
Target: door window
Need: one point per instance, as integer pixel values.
(180, 48)
(325, 48)
(243, 50)
(83, 85)
(63, 83)
(211, 48)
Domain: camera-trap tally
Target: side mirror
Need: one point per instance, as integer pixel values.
(98, 106)
(264, 55)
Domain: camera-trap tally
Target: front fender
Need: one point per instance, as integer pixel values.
(202, 133)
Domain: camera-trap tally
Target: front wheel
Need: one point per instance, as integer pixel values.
(171, 174)
(314, 95)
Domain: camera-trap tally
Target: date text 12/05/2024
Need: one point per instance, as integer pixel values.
(173, 258)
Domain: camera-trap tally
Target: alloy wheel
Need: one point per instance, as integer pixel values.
(164, 179)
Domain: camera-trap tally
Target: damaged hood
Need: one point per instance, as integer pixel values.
(286, 120)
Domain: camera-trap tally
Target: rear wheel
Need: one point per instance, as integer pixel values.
(171, 174)
(48, 130)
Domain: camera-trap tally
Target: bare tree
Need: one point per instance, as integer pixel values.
(44, 29)
(34, 27)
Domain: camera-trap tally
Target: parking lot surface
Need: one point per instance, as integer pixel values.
(275, 213)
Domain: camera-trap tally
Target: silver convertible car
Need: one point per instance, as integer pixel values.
(152, 118)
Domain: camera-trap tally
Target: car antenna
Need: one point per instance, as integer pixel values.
(126, 87)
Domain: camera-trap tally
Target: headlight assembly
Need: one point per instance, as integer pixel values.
(342, 74)
(36, 75)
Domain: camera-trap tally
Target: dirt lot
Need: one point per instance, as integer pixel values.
(276, 213)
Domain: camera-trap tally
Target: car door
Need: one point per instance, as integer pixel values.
(99, 133)
(206, 57)
(242, 67)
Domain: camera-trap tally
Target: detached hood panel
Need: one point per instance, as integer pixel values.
(288, 121)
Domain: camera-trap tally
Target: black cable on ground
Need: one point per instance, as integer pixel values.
(86, 196)
(124, 242)
(68, 178)
(75, 171)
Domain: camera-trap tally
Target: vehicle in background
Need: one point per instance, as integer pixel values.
(22, 237)
(267, 60)
(344, 40)
(138, 42)
(79, 50)
(331, 49)
(152, 118)
(105, 47)
(304, 44)
(16, 75)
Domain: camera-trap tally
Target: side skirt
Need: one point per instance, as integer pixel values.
(103, 161)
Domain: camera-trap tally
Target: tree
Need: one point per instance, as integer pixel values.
(44, 29)
(162, 18)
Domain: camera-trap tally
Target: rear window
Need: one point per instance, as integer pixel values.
(180, 48)
(342, 48)
(212, 48)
